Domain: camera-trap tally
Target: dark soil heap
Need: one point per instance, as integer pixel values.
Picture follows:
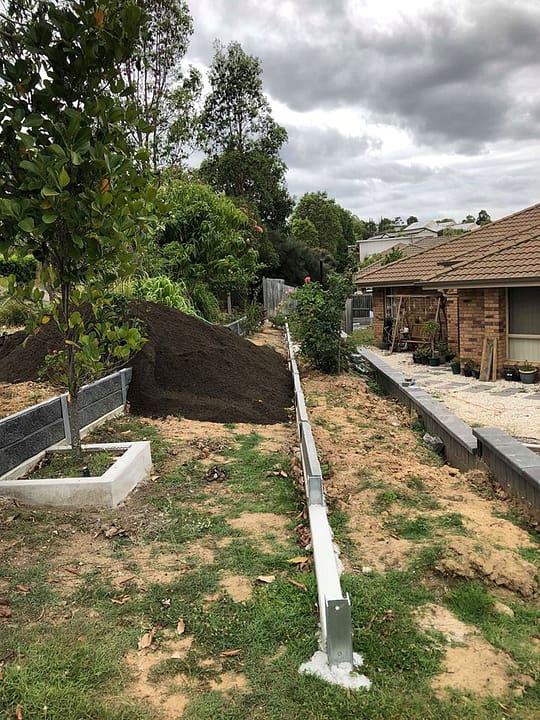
(187, 368)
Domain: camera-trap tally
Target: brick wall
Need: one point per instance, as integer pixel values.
(452, 320)
(379, 295)
(482, 314)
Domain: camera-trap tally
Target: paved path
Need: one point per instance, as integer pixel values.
(512, 406)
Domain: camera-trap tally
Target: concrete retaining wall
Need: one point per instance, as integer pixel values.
(459, 442)
(29, 432)
(514, 466)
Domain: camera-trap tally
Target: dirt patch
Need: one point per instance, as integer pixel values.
(472, 664)
(141, 663)
(465, 558)
(14, 398)
(187, 367)
(237, 586)
(263, 527)
(229, 682)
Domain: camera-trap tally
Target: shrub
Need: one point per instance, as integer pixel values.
(162, 290)
(24, 269)
(254, 318)
(316, 322)
(13, 313)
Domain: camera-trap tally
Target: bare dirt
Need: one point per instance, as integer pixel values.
(377, 473)
(187, 368)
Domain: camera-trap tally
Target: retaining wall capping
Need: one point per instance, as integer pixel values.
(513, 465)
(334, 607)
(24, 435)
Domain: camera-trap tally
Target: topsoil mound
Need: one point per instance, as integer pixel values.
(187, 368)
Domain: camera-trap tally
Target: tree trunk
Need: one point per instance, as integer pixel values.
(75, 426)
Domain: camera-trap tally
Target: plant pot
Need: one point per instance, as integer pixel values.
(475, 373)
(467, 371)
(456, 368)
(509, 374)
(424, 360)
(417, 359)
(527, 376)
(434, 361)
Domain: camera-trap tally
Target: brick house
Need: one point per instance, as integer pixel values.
(487, 284)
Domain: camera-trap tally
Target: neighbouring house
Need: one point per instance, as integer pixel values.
(483, 286)
(411, 235)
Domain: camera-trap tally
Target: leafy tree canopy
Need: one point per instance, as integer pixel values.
(412, 219)
(206, 240)
(73, 191)
(483, 218)
(240, 138)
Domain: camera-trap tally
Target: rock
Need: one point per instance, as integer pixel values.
(503, 609)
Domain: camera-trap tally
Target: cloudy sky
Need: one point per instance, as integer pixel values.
(396, 107)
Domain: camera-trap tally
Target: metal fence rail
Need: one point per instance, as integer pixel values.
(334, 607)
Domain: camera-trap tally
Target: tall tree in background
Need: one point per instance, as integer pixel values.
(163, 93)
(483, 218)
(240, 138)
(325, 215)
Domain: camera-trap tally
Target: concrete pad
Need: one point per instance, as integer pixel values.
(133, 466)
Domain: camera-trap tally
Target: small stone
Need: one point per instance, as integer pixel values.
(503, 609)
(366, 569)
(452, 471)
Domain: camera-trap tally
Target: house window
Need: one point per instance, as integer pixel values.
(524, 324)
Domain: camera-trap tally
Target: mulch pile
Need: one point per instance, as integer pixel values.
(187, 368)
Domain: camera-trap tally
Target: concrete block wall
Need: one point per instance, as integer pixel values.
(29, 432)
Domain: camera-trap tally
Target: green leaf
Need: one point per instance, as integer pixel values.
(33, 120)
(63, 178)
(49, 192)
(75, 319)
(27, 224)
(49, 218)
(75, 158)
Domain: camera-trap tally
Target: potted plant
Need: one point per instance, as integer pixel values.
(431, 330)
(423, 354)
(510, 372)
(467, 368)
(455, 365)
(475, 368)
(527, 373)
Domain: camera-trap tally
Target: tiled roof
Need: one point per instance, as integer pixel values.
(462, 257)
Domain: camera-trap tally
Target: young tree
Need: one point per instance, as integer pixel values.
(72, 191)
(240, 138)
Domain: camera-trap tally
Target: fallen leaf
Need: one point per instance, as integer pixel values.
(121, 600)
(22, 589)
(298, 560)
(73, 571)
(180, 627)
(154, 477)
(146, 640)
(298, 584)
(18, 713)
(11, 518)
(128, 579)
(283, 474)
(230, 653)
(113, 531)
(266, 579)
(4, 601)
(5, 612)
